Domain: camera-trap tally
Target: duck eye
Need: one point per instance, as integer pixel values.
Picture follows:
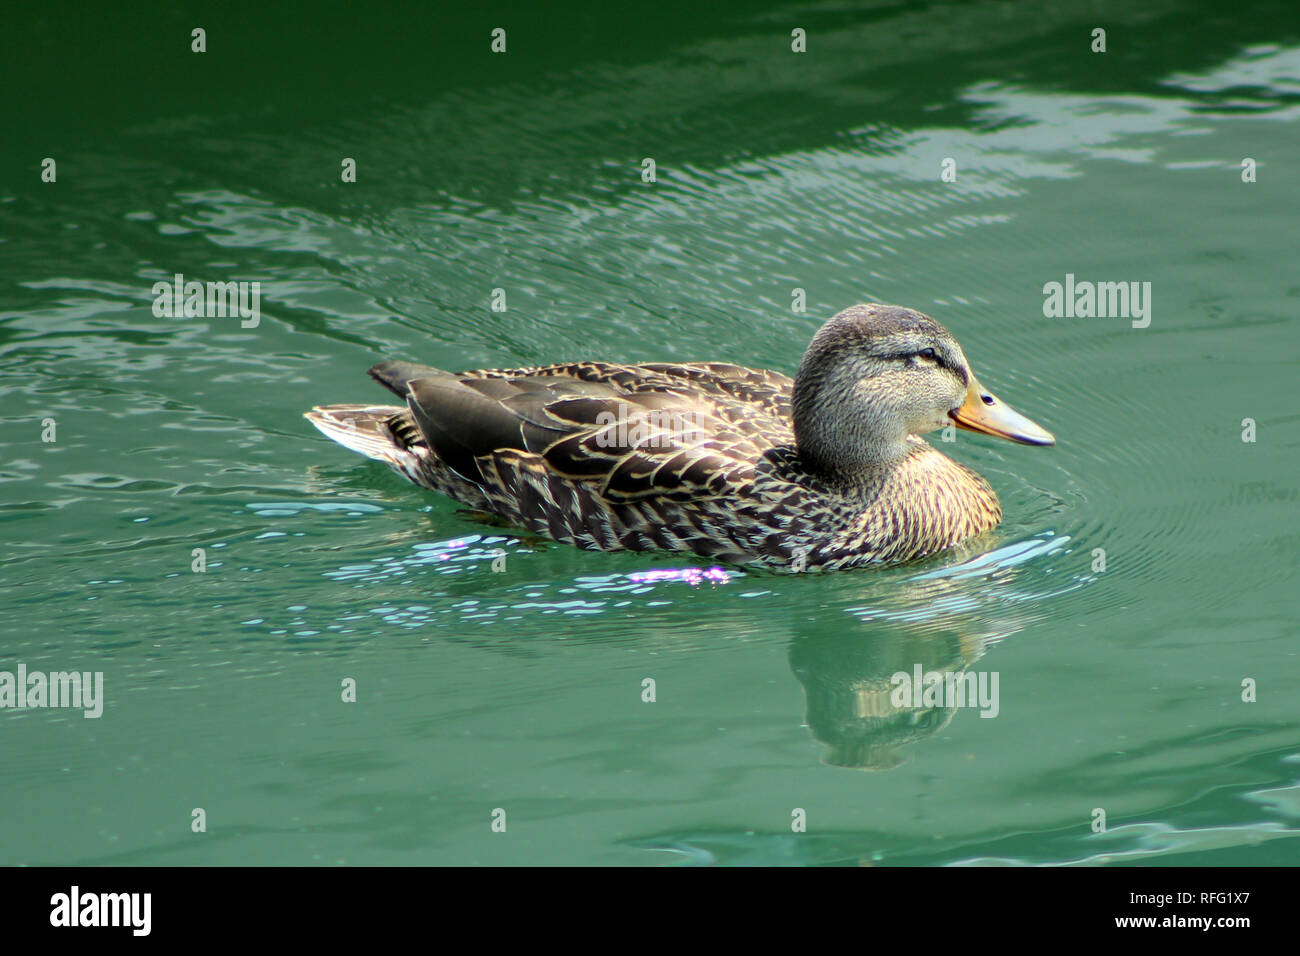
(927, 353)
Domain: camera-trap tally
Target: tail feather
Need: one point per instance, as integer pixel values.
(364, 429)
(397, 376)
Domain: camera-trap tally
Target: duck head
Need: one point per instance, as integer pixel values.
(875, 374)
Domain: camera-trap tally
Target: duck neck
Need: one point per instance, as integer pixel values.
(837, 435)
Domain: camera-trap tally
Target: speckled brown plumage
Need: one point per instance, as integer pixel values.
(701, 458)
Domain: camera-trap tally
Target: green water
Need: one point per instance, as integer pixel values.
(1119, 689)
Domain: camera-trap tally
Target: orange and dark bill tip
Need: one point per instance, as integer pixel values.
(983, 412)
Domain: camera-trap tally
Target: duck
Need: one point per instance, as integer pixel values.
(826, 471)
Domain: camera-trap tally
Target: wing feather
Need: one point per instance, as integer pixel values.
(636, 431)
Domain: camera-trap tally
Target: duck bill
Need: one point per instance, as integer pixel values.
(984, 412)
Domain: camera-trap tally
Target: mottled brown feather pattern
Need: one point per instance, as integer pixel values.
(734, 490)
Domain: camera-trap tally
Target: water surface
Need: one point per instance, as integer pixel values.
(521, 689)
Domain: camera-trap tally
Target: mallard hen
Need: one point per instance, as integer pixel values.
(824, 471)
